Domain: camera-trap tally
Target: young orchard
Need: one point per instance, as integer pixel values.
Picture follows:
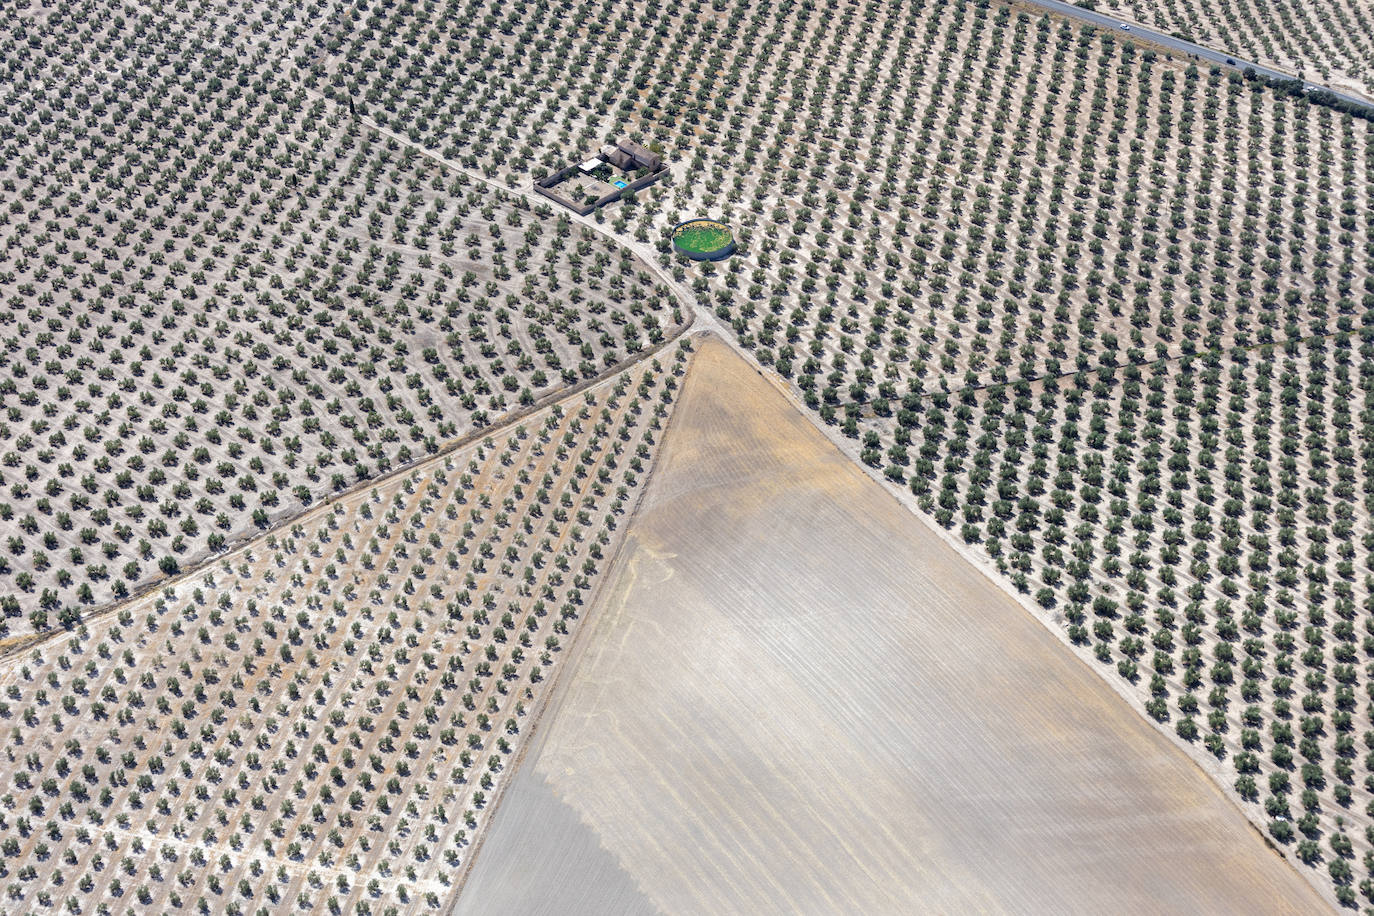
(325, 718)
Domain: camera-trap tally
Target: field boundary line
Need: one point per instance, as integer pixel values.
(1214, 775)
(575, 650)
(236, 548)
(641, 250)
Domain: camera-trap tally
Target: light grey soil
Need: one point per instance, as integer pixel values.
(794, 698)
(546, 845)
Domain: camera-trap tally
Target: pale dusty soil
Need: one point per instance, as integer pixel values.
(793, 697)
(307, 719)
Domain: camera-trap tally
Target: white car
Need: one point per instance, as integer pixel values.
(1126, 26)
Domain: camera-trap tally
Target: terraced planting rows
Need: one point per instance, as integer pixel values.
(323, 720)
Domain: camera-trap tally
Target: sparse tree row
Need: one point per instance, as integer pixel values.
(1328, 42)
(220, 304)
(1042, 202)
(1204, 527)
(1029, 255)
(967, 234)
(978, 241)
(323, 720)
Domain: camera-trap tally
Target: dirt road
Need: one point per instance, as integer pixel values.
(794, 698)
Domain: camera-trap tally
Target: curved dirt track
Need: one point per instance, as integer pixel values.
(794, 698)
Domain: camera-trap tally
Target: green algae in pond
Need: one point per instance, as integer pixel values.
(702, 236)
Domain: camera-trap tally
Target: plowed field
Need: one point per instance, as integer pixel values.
(793, 697)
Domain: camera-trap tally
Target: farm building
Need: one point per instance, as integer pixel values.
(629, 156)
(604, 178)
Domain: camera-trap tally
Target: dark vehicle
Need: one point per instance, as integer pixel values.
(1230, 61)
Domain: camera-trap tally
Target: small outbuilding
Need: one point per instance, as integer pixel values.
(642, 158)
(618, 158)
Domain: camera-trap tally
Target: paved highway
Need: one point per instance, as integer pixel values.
(1186, 48)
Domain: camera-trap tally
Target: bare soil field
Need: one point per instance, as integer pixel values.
(794, 697)
(962, 227)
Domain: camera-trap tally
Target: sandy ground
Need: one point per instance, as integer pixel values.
(795, 698)
(363, 615)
